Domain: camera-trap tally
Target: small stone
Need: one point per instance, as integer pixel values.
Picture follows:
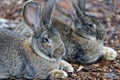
(80, 68)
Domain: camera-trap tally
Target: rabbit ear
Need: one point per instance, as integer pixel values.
(31, 15)
(68, 13)
(79, 6)
(46, 13)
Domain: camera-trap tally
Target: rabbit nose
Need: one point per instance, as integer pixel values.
(58, 53)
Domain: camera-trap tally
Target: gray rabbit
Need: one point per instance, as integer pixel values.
(40, 58)
(83, 38)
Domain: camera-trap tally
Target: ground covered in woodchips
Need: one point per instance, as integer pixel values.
(108, 11)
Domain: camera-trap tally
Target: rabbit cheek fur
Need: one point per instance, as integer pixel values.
(54, 47)
(87, 51)
(21, 61)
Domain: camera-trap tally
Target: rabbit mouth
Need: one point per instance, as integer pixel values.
(88, 37)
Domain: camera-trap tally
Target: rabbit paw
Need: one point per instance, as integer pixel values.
(66, 66)
(109, 53)
(57, 74)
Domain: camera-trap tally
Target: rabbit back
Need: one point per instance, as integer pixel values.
(12, 60)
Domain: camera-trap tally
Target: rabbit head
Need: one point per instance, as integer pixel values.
(46, 40)
(84, 25)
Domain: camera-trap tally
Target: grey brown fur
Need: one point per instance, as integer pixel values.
(39, 58)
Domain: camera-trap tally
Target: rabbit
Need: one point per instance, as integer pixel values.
(83, 35)
(40, 58)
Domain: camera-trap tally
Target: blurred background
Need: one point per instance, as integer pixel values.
(108, 12)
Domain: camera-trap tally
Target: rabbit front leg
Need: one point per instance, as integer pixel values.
(57, 74)
(109, 53)
(66, 66)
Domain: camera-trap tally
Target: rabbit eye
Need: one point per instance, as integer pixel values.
(44, 40)
(93, 26)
